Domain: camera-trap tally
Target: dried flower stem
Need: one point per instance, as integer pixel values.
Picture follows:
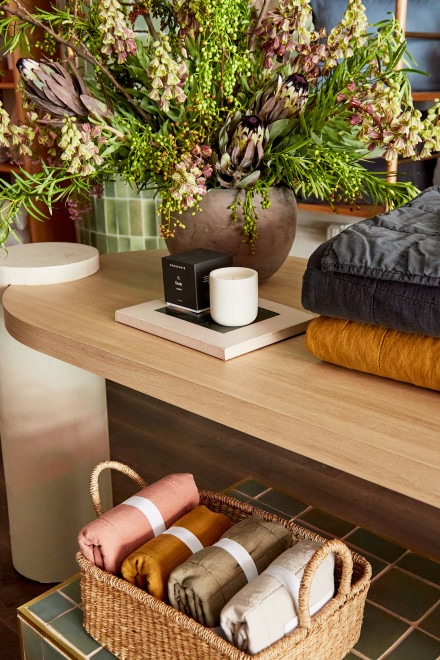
(150, 25)
(260, 19)
(23, 13)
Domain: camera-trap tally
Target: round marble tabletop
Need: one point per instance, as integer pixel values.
(47, 263)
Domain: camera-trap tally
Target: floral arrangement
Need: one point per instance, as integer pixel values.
(189, 95)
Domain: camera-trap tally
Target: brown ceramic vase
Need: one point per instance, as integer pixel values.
(213, 228)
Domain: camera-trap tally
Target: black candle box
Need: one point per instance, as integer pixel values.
(186, 277)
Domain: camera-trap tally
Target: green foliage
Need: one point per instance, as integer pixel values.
(171, 117)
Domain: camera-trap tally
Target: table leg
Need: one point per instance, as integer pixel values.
(54, 430)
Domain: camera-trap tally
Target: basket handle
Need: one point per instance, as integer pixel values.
(94, 481)
(333, 545)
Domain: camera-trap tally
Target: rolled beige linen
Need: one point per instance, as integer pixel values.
(201, 586)
(266, 609)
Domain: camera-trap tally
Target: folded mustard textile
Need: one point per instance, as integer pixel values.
(150, 566)
(377, 350)
(108, 540)
(266, 609)
(202, 586)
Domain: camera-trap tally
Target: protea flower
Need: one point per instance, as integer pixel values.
(56, 91)
(284, 99)
(241, 148)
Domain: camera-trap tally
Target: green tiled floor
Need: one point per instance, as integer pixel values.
(402, 613)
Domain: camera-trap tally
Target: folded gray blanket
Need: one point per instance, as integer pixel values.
(384, 270)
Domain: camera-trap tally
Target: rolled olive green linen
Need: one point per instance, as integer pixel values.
(201, 586)
(267, 608)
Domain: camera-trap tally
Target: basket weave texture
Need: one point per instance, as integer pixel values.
(135, 626)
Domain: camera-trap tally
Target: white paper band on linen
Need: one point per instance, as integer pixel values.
(150, 511)
(287, 578)
(292, 583)
(241, 556)
(187, 537)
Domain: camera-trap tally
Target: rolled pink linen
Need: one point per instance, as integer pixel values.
(108, 540)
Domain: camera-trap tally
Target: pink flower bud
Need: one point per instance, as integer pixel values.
(206, 151)
(341, 97)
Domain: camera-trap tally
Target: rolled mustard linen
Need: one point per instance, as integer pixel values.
(108, 540)
(201, 586)
(377, 350)
(151, 565)
(266, 609)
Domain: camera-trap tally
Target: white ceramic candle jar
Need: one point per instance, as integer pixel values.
(233, 294)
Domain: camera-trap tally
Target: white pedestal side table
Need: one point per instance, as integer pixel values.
(53, 425)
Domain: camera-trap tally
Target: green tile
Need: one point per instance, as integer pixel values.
(112, 244)
(121, 189)
(251, 487)
(51, 653)
(85, 236)
(136, 243)
(123, 245)
(327, 522)
(376, 545)
(425, 568)
(379, 631)
(149, 217)
(70, 627)
(91, 220)
(51, 606)
(432, 622)
(237, 495)
(110, 217)
(135, 209)
(403, 594)
(283, 503)
(416, 645)
(147, 194)
(122, 217)
(109, 189)
(73, 590)
(150, 243)
(269, 509)
(32, 642)
(101, 243)
(100, 219)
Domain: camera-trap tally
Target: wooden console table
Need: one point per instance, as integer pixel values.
(381, 430)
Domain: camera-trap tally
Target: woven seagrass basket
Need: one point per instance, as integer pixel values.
(136, 626)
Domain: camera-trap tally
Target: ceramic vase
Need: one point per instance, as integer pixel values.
(214, 228)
